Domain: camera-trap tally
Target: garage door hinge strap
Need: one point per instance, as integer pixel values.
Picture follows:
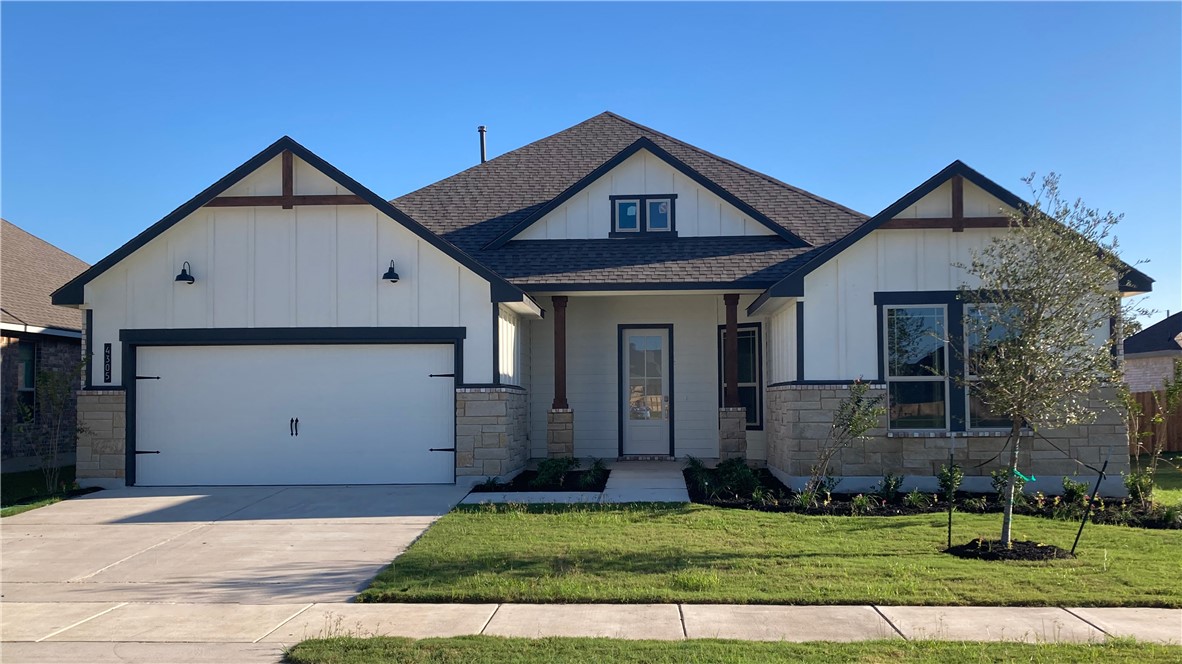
(147, 377)
(441, 449)
(147, 451)
(451, 375)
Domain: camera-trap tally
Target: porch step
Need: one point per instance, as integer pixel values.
(646, 457)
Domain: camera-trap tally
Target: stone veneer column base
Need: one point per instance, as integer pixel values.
(492, 431)
(732, 433)
(101, 459)
(560, 433)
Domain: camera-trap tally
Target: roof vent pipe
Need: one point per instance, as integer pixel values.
(483, 152)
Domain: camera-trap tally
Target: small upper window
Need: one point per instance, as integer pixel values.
(643, 214)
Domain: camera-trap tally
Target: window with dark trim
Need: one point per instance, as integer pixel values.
(26, 369)
(644, 215)
(750, 371)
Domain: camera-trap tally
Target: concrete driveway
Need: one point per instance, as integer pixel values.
(249, 545)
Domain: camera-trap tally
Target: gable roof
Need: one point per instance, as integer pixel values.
(31, 267)
(73, 292)
(1163, 335)
(793, 285)
(476, 207)
(644, 143)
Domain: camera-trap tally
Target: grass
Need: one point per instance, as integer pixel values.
(1167, 485)
(25, 490)
(701, 554)
(494, 650)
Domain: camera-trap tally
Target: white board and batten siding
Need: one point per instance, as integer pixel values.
(587, 215)
(312, 266)
(592, 370)
(840, 317)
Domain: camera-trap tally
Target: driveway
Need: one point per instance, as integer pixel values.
(249, 545)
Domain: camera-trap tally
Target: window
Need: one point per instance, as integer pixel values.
(750, 371)
(26, 369)
(917, 367)
(644, 215)
(981, 340)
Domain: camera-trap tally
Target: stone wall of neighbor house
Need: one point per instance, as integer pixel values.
(52, 353)
(732, 433)
(799, 418)
(492, 431)
(101, 445)
(1147, 374)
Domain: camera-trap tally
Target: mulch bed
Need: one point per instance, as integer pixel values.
(572, 481)
(983, 549)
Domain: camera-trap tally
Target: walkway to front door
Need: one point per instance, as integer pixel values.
(645, 481)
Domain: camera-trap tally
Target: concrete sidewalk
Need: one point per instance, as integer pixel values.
(629, 482)
(148, 632)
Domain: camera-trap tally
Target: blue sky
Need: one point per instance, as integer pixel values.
(114, 114)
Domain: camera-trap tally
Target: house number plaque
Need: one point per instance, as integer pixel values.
(106, 363)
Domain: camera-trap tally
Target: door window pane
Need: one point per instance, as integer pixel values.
(627, 215)
(915, 341)
(917, 405)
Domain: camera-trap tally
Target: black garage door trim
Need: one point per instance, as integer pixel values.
(272, 336)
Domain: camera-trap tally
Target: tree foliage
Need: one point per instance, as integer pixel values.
(1047, 313)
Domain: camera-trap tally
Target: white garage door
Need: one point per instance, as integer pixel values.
(367, 414)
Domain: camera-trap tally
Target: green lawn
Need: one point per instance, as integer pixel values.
(493, 650)
(697, 553)
(28, 489)
(1167, 486)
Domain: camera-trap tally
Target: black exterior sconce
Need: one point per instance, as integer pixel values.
(184, 276)
(390, 274)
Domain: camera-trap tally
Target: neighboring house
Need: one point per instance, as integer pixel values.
(34, 336)
(1150, 354)
(607, 291)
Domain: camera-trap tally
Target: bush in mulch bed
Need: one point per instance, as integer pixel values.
(983, 549)
(733, 485)
(560, 474)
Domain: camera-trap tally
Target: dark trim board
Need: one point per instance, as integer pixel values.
(73, 292)
(620, 328)
(88, 361)
(133, 339)
(799, 340)
(728, 286)
(638, 145)
(758, 327)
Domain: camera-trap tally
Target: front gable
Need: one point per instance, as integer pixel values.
(702, 207)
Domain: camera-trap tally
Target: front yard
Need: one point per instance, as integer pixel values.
(492, 650)
(700, 554)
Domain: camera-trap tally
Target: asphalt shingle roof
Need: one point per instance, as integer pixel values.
(474, 207)
(30, 270)
(1162, 335)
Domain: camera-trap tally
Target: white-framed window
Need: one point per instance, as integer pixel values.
(750, 371)
(644, 214)
(916, 354)
(509, 347)
(979, 341)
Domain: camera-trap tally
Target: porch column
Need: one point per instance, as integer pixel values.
(560, 402)
(560, 420)
(732, 417)
(730, 352)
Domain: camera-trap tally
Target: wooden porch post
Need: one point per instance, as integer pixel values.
(560, 402)
(730, 352)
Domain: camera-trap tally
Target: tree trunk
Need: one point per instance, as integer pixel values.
(1007, 517)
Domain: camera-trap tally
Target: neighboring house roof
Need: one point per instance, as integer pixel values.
(31, 269)
(72, 292)
(1163, 336)
(476, 207)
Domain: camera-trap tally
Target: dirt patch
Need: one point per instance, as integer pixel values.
(983, 549)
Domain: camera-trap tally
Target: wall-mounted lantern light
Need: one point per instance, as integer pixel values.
(390, 274)
(184, 276)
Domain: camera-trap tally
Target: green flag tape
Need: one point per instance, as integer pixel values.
(1032, 478)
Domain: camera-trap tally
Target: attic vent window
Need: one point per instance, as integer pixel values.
(649, 215)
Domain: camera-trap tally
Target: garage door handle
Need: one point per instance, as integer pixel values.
(297, 426)
(441, 449)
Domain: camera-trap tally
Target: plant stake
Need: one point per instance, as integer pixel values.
(1092, 499)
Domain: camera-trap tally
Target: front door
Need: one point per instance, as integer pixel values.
(646, 390)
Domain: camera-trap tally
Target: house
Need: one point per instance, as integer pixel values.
(1150, 354)
(607, 291)
(34, 336)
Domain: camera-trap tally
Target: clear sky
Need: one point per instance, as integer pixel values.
(115, 114)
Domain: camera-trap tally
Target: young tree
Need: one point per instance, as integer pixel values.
(1043, 302)
(857, 414)
(47, 425)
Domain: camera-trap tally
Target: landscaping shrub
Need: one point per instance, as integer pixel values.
(860, 505)
(1074, 492)
(950, 479)
(890, 487)
(999, 478)
(736, 478)
(917, 500)
(595, 474)
(1140, 485)
(553, 471)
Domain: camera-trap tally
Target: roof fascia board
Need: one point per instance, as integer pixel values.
(35, 329)
(73, 293)
(644, 143)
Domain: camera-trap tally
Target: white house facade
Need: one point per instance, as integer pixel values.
(606, 292)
